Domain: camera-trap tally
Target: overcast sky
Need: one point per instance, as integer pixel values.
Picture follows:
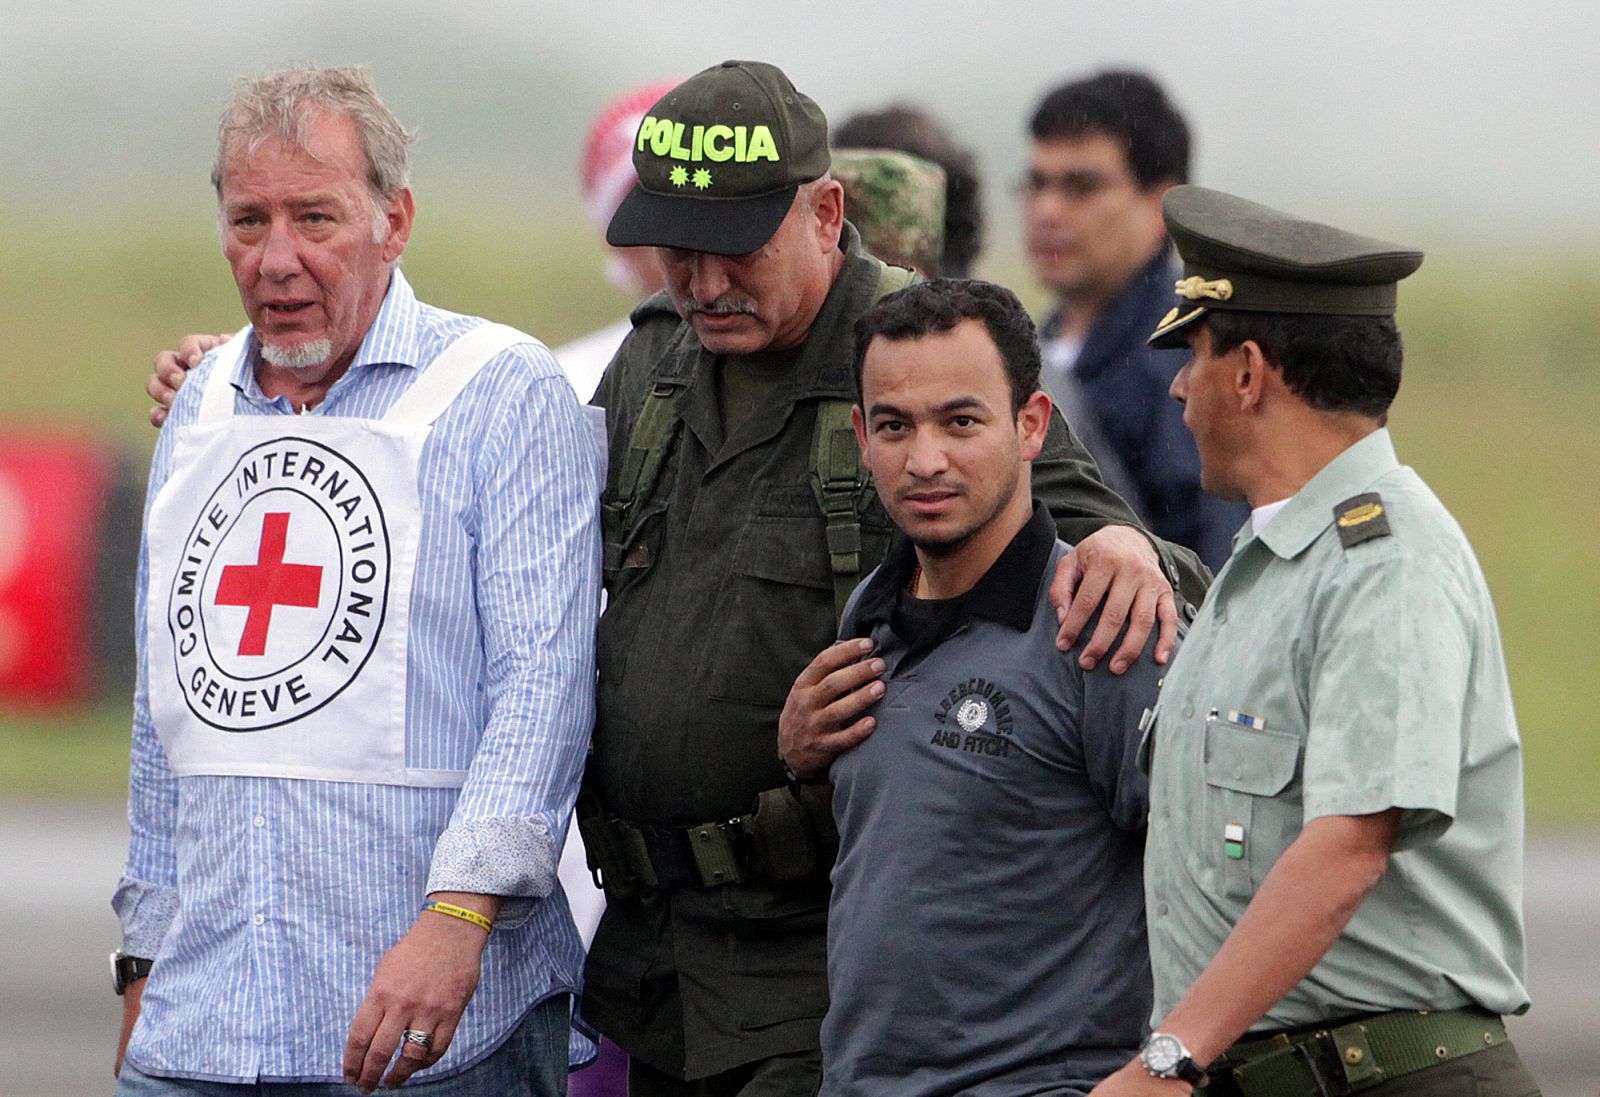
(1415, 119)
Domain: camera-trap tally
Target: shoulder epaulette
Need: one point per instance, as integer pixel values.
(657, 303)
(1361, 518)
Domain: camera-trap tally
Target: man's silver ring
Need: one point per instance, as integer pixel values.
(418, 1037)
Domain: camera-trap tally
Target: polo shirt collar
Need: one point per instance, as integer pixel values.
(1311, 509)
(1008, 592)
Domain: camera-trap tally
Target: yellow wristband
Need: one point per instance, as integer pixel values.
(460, 912)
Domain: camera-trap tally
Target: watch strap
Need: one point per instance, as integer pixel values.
(127, 969)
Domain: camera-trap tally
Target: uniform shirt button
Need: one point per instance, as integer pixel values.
(260, 820)
(260, 919)
(1161, 909)
(1222, 617)
(1188, 711)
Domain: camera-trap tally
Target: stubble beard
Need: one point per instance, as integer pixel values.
(298, 357)
(953, 543)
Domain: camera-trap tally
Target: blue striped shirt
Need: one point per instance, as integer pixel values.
(267, 902)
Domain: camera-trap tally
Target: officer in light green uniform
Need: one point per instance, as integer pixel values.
(1334, 860)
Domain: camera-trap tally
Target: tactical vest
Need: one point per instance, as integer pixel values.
(843, 489)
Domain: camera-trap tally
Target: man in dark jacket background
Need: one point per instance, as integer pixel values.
(1105, 149)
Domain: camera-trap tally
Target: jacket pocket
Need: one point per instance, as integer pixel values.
(779, 602)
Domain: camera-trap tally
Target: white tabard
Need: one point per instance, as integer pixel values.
(282, 552)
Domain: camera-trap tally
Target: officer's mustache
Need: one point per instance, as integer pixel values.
(725, 305)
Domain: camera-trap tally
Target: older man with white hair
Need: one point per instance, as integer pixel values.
(367, 589)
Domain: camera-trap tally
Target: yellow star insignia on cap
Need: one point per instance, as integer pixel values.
(702, 178)
(678, 176)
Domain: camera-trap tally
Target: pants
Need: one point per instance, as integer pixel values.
(531, 1063)
(795, 1075)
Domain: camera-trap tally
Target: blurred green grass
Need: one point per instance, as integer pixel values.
(1496, 413)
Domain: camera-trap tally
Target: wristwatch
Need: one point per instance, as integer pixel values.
(125, 969)
(1165, 1056)
(796, 780)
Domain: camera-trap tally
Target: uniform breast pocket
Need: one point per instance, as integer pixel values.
(1252, 800)
(778, 609)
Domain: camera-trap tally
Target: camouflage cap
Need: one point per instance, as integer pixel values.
(719, 159)
(1247, 257)
(896, 201)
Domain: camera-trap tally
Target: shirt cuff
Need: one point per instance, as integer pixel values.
(146, 911)
(512, 858)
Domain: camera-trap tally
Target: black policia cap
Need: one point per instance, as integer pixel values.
(720, 158)
(1243, 256)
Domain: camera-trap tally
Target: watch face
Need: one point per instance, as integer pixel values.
(1162, 1053)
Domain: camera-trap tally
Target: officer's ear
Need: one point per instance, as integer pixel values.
(1250, 377)
(858, 419)
(827, 208)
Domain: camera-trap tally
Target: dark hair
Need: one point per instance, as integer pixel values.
(1128, 106)
(909, 130)
(1333, 363)
(938, 306)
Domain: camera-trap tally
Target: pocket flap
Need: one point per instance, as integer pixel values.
(1260, 763)
(785, 550)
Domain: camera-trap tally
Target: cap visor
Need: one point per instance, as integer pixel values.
(721, 226)
(1172, 334)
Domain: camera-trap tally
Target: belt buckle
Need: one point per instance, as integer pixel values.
(717, 854)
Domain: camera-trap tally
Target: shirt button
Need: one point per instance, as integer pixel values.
(1222, 617)
(1188, 711)
(260, 820)
(260, 919)
(1161, 909)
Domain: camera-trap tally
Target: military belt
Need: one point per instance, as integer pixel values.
(781, 841)
(1351, 1056)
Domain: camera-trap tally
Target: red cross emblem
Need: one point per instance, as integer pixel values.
(267, 583)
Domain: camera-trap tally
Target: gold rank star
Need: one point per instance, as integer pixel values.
(702, 178)
(679, 176)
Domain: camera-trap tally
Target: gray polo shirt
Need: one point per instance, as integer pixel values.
(986, 934)
(1345, 662)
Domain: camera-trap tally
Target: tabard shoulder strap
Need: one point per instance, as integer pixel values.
(842, 487)
(452, 371)
(216, 402)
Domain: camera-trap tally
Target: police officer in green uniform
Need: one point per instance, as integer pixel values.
(737, 521)
(1334, 863)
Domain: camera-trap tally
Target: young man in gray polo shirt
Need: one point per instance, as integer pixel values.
(986, 934)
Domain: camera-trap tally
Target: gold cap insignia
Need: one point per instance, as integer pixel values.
(1194, 287)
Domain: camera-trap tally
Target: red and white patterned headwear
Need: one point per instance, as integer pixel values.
(607, 170)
